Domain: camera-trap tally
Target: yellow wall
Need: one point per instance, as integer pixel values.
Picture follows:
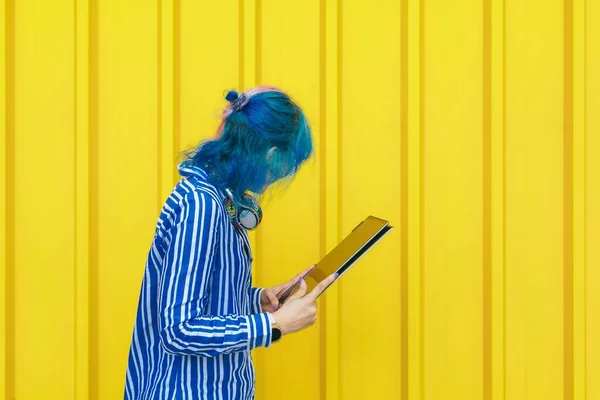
(472, 125)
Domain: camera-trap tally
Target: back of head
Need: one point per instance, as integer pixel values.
(263, 137)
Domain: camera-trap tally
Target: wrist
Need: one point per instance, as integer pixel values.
(276, 330)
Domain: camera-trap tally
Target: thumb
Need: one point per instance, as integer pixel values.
(301, 290)
(272, 299)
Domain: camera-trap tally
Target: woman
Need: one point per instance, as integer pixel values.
(198, 315)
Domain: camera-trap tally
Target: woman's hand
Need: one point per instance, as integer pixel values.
(269, 301)
(300, 311)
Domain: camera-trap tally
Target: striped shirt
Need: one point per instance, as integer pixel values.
(198, 315)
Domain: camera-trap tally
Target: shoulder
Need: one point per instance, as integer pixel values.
(193, 193)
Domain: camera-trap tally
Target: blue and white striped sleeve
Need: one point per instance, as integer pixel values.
(255, 299)
(184, 329)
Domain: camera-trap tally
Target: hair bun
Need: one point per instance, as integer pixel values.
(231, 95)
(237, 100)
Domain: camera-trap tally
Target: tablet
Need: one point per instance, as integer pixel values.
(345, 254)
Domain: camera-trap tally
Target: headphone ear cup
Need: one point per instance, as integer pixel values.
(248, 219)
(247, 216)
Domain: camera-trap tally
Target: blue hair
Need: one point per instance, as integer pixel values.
(263, 138)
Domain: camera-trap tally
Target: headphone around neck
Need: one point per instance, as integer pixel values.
(246, 214)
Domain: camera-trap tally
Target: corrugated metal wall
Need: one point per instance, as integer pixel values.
(473, 125)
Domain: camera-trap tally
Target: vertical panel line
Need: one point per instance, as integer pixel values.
(82, 197)
(422, 194)
(330, 169)
(9, 261)
(339, 117)
(404, 199)
(579, 199)
(323, 350)
(3, 199)
(583, 361)
(322, 130)
(258, 43)
(94, 184)
(241, 47)
(323, 198)
(496, 199)
(176, 112)
(504, 197)
(167, 131)
(339, 154)
(159, 104)
(76, 142)
(487, 204)
(413, 210)
(568, 199)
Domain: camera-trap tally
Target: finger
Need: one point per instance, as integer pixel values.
(285, 286)
(273, 299)
(307, 270)
(301, 290)
(301, 275)
(312, 296)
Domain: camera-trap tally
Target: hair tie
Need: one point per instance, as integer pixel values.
(238, 101)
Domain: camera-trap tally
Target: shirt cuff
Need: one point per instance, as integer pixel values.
(259, 330)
